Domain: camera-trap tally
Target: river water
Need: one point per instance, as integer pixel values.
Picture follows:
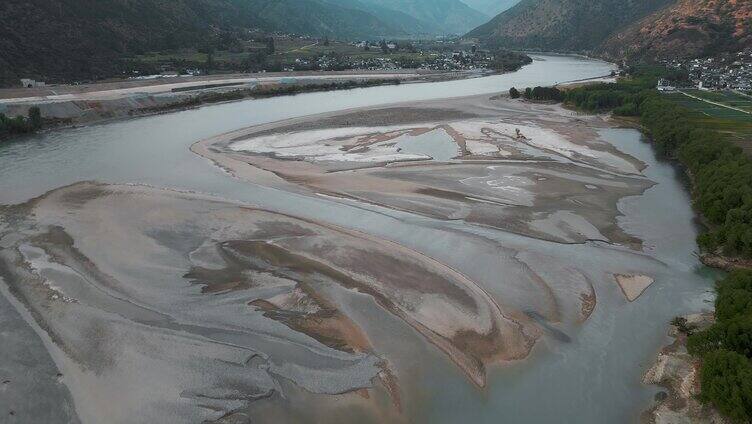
(595, 378)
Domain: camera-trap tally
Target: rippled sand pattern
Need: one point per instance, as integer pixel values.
(136, 284)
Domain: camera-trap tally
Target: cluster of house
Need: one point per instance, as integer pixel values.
(727, 72)
(424, 59)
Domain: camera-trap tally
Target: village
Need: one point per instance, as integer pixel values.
(725, 72)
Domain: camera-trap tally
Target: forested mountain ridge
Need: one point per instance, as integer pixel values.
(563, 25)
(689, 28)
(61, 40)
(399, 22)
(318, 18)
(624, 29)
(57, 39)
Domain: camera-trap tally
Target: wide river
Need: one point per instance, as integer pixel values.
(595, 378)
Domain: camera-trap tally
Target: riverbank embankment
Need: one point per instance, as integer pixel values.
(74, 105)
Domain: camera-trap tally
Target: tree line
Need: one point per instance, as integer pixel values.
(538, 93)
(509, 61)
(726, 349)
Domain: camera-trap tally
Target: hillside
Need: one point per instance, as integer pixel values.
(443, 16)
(563, 25)
(59, 38)
(491, 8)
(320, 18)
(83, 39)
(690, 28)
(398, 22)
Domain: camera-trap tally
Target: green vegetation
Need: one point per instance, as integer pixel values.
(544, 94)
(73, 40)
(734, 125)
(563, 25)
(301, 54)
(708, 109)
(20, 124)
(514, 93)
(726, 349)
(728, 98)
(507, 61)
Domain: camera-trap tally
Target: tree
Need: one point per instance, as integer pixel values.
(384, 47)
(209, 64)
(727, 382)
(528, 93)
(514, 93)
(35, 118)
(270, 46)
(326, 41)
(256, 59)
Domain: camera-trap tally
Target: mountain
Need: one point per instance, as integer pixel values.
(443, 16)
(320, 18)
(57, 39)
(491, 7)
(81, 39)
(689, 28)
(400, 23)
(563, 25)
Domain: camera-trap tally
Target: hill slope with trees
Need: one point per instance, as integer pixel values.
(491, 8)
(624, 29)
(444, 16)
(563, 25)
(687, 29)
(62, 40)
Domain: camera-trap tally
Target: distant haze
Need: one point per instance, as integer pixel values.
(491, 8)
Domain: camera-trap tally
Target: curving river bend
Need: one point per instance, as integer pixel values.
(589, 375)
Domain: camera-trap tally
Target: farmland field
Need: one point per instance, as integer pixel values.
(728, 98)
(737, 125)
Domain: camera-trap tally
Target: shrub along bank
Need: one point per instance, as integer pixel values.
(20, 124)
(726, 349)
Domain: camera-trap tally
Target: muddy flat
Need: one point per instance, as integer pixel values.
(492, 233)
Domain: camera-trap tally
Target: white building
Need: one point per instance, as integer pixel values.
(664, 85)
(30, 83)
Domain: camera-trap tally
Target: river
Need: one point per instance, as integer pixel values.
(593, 378)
